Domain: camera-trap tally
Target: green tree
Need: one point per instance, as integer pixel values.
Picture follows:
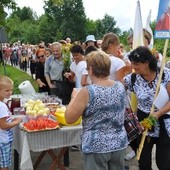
(69, 18)
(107, 24)
(29, 32)
(10, 4)
(46, 29)
(12, 25)
(91, 27)
(24, 13)
(23, 25)
(123, 39)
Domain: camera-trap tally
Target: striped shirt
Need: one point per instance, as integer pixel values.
(6, 136)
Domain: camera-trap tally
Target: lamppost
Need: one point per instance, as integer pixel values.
(3, 39)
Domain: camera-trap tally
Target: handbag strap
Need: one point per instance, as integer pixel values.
(133, 79)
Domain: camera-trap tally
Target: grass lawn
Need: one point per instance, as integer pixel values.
(18, 77)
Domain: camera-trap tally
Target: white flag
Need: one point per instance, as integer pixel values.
(138, 28)
(148, 28)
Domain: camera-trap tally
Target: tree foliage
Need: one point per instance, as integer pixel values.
(106, 25)
(22, 25)
(62, 19)
(46, 29)
(69, 18)
(91, 27)
(10, 4)
(25, 13)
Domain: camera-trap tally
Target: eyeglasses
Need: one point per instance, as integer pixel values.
(41, 56)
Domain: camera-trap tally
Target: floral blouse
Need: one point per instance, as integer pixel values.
(103, 119)
(145, 92)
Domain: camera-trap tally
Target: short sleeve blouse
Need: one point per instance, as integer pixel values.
(145, 92)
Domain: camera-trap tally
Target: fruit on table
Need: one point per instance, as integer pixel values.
(61, 109)
(36, 108)
(40, 124)
(60, 116)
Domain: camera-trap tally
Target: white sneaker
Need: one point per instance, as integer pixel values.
(130, 155)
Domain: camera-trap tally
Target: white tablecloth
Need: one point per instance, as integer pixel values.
(44, 140)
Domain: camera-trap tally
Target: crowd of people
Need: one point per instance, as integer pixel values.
(95, 87)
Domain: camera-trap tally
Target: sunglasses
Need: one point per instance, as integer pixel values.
(41, 56)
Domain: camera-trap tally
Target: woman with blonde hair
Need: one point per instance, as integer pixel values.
(111, 45)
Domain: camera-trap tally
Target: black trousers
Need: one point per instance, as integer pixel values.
(67, 89)
(58, 88)
(162, 151)
(162, 155)
(63, 90)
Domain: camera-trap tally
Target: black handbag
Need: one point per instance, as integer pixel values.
(132, 125)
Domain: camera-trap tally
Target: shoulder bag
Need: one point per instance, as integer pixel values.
(132, 124)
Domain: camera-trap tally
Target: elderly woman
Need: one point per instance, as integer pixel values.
(102, 107)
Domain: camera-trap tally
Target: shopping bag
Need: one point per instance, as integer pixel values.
(132, 125)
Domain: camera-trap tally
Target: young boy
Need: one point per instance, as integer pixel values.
(6, 123)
